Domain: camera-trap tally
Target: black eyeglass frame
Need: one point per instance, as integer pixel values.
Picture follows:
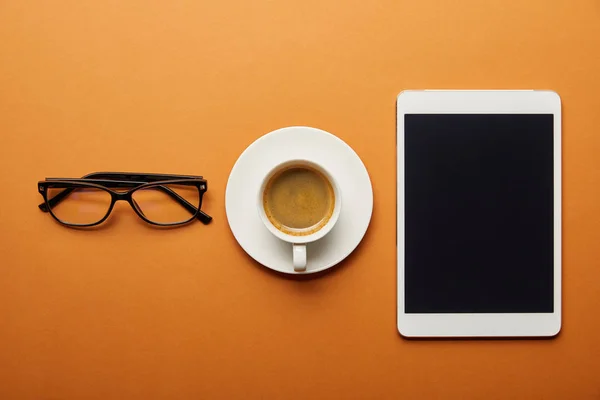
(135, 181)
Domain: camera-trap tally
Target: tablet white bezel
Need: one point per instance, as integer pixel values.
(479, 102)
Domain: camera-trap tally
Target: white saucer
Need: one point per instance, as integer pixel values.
(298, 143)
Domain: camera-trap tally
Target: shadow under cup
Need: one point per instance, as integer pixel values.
(299, 202)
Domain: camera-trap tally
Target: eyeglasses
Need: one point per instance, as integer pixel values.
(159, 199)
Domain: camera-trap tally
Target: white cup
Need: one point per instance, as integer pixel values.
(299, 242)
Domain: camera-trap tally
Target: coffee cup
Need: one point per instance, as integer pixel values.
(299, 202)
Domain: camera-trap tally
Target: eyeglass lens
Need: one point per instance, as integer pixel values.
(83, 206)
(159, 204)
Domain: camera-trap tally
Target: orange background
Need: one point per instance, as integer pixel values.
(183, 87)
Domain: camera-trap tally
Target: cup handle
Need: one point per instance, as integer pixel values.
(299, 257)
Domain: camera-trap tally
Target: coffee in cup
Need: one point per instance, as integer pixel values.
(299, 202)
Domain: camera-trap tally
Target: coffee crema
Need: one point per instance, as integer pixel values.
(298, 200)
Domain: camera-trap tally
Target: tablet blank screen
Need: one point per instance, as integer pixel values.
(478, 213)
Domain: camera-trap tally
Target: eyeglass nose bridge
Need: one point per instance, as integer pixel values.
(121, 196)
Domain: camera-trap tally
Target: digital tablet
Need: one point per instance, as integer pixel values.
(479, 213)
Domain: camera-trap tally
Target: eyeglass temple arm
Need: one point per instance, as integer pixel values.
(55, 200)
(137, 176)
(202, 216)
